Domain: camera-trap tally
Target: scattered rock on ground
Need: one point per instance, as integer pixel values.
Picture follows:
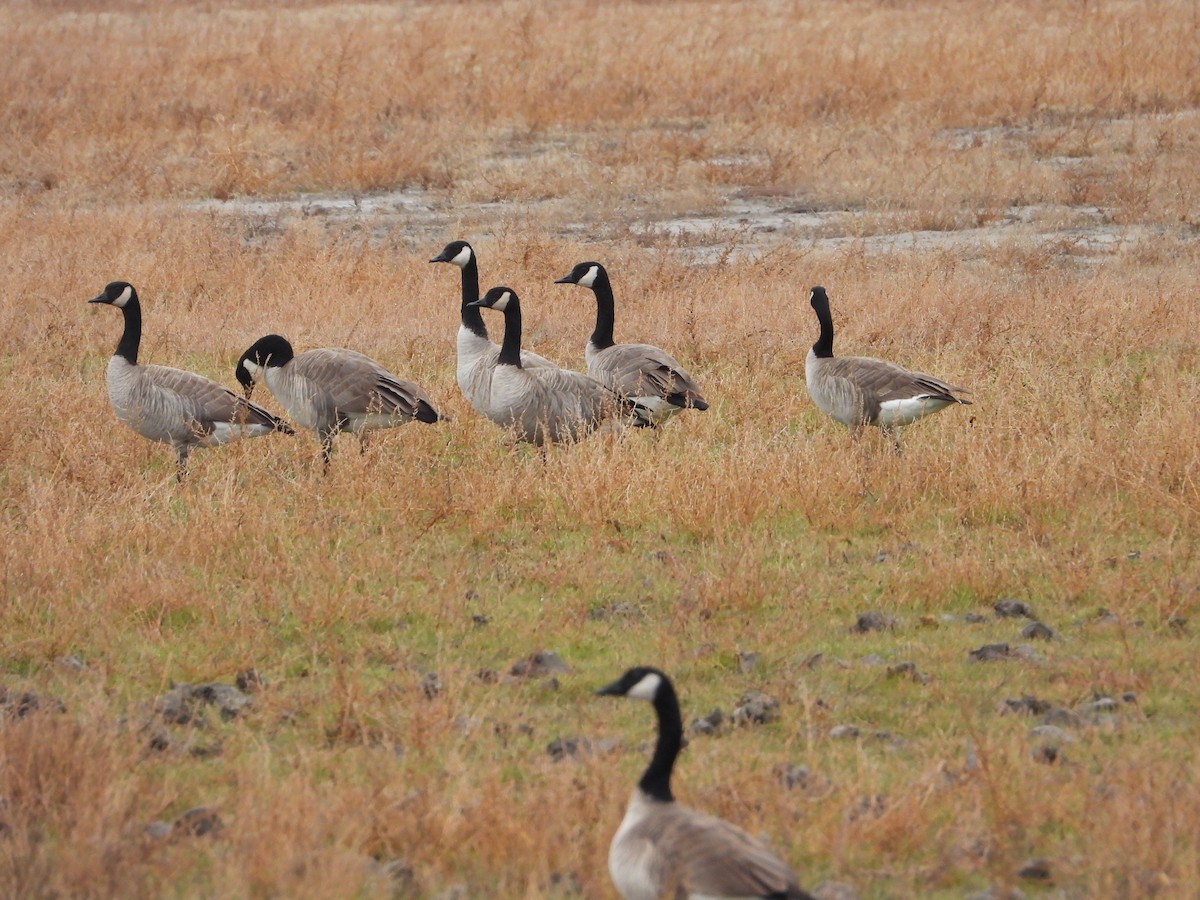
(709, 724)
(73, 662)
(874, 621)
(990, 653)
(974, 618)
(19, 704)
(813, 661)
(1051, 734)
(873, 659)
(1035, 870)
(1177, 623)
(747, 662)
(544, 662)
(249, 681)
(561, 748)
(1036, 631)
(200, 821)
(184, 702)
(1009, 608)
(431, 685)
(844, 732)
(997, 893)
(1026, 704)
(1061, 717)
(908, 670)
(756, 708)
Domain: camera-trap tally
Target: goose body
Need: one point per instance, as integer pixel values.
(648, 376)
(477, 356)
(169, 405)
(330, 390)
(860, 390)
(665, 849)
(542, 404)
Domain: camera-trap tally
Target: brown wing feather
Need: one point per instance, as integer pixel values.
(354, 383)
(205, 402)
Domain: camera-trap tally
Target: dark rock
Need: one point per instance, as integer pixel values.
(1035, 870)
(1105, 617)
(1048, 754)
(479, 619)
(1129, 697)
(709, 724)
(1177, 623)
(579, 746)
(488, 676)
(614, 610)
(431, 685)
(908, 670)
(974, 618)
(1099, 706)
(1026, 704)
(19, 704)
(544, 662)
(874, 621)
(248, 681)
(793, 776)
(1036, 631)
(198, 822)
(990, 653)
(184, 702)
(551, 684)
(756, 708)
(1008, 608)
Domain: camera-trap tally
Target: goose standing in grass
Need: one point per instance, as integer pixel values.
(858, 390)
(169, 405)
(329, 390)
(544, 404)
(664, 849)
(477, 355)
(647, 375)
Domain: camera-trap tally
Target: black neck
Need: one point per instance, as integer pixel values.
(602, 337)
(510, 350)
(472, 320)
(131, 337)
(656, 782)
(823, 348)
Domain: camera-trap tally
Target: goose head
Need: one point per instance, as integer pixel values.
(497, 298)
(584, 275)
(458, 252)
(116, 293)
(269, 351)
(640, 683)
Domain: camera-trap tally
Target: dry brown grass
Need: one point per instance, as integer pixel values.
(547, 135)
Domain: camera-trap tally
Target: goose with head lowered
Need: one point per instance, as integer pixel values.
(859, 390)
(545, 404)
(172, 406)
(331, 390)
(665, 849)
(647, 375)
(477, 355)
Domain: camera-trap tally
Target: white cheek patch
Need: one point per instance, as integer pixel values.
(502, 303)
(124, 298)
(646, 688)
(463, 257)
(590, 278)
(252, 368)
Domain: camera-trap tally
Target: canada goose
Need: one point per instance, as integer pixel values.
(477, 355)
(545, 404)
(858, 390)
(169, 405)
(647, 375)
(332, 390)
(662, 846)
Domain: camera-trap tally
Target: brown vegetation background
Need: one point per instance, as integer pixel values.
(1006, 195)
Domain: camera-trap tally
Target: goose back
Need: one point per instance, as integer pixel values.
(648, 376)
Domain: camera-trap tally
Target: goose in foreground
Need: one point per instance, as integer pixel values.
(647, 375)
(664, 849)
(545, 404)
(172, 406)
(477, 355)
(858, 390)
(328, 390)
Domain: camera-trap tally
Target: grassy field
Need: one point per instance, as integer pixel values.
(1004, 195)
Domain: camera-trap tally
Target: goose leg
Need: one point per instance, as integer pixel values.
(181, 460)
(326, 450)
(362, 443)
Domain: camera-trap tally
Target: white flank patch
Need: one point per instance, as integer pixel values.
(224, 432)
(502, 303)
(463, 257)
(590, 278)
(124, 298)
(902, 412)
(646, 688)
(253, 368)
